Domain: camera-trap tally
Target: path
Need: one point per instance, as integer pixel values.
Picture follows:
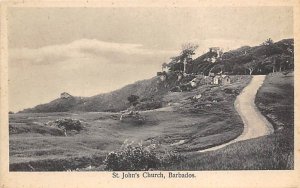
(255, 124)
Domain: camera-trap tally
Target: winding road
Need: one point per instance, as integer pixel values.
(255, 124)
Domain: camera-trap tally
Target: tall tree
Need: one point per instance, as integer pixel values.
(251, 66)
(187, 51)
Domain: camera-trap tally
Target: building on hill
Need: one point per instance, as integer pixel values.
(226, 80)
(221, 80)
(65, 95)
(217, 80)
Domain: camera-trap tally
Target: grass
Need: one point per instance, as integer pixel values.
(272, 152)
(199, 123)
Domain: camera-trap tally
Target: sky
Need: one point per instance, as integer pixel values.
(88, 51)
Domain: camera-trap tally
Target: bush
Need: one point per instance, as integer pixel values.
(148, 105)
(66, 124)
(133, 117)
(139, 158)
(133, 99)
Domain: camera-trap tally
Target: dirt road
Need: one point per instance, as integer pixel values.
(255, 124)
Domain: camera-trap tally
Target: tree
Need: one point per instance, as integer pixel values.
(268, 42)
(251, 66)
(179, 63)
(228, 66)
(133, 100)
(237, 69)
(285, 62)
(163, 66)
(187, 51)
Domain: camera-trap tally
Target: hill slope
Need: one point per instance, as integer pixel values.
(262, 59)
(265, 58)
(150, 89)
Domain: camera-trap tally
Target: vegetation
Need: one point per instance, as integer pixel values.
(266, 58)
(139, 157)
(201, 123)
(199, 118)
(133, 100)
(66, 124)
(178, 63)
(279, 153)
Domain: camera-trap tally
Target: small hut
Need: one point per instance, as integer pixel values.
(221, 80)
(226, 80)
(217, 80)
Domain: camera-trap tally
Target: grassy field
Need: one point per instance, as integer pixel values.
(275, 99)
(190, 125)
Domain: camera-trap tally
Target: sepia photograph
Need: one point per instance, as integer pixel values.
(150, 89)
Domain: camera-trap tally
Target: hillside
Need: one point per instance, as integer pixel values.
(147, 90)
(263, 59)
(275, 99)
(188, 124)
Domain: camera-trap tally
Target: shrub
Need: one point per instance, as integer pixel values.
(148, 105)
(139, 157)
(171, 158)
(133, 100)
(66, 124)
(131, 158)
(133, 117)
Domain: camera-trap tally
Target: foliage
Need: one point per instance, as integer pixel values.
(188, 50)
(148, 105)
(139, 157)
(133, 117)
(266, 58)
(67, 124)
(133, 99)
(177, 62)
(269, 41)
(275, 99)
(275, 57)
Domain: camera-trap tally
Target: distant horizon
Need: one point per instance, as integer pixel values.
(87, 52)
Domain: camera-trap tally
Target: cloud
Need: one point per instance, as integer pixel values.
(95, 51)
(82, 49)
